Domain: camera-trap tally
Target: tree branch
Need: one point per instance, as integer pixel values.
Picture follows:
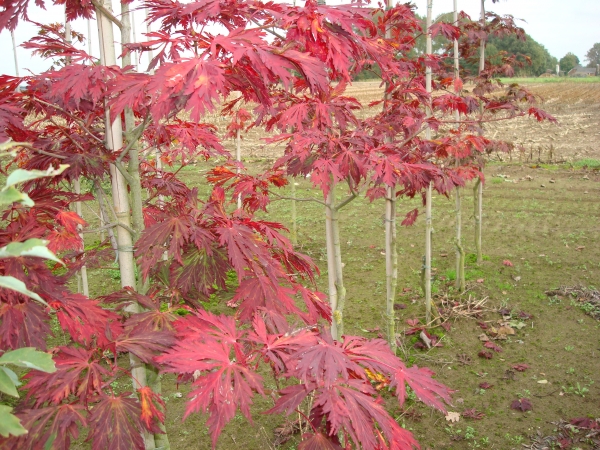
(133, 137)
(107, 13)
(79, 122)
(280, 197)
(43, 152)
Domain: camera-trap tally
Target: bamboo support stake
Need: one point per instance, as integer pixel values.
(428, 218)
(114, 141)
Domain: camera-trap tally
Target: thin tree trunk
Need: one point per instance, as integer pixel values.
(391, 265)
(238, 158)
(114, 138)
(12, 36)
(477, 212)
(460, 252)
(294, 231)
(82, 278)
(339, 278)
(478, 190)
(153, 379)
(82, 274)
(331, 261)
(105, 218)
(391, 251)
(89, 25)
(428, 218)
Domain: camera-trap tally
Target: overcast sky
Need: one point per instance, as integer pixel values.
(561, 26)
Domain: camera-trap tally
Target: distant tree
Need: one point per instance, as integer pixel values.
(534, 56)
(568, 61)
(593, 55)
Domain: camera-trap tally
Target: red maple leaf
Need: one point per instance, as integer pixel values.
(522, 404)
(486, 355)
(153, 409)
(429, 391)
(491, 345)
(55, 425)
(485, 385)
(223, 382)
(145, 344)
(79, 372)
(120, 416)
(520, 367)
(472, 414)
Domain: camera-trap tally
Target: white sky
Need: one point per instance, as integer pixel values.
(560, 26)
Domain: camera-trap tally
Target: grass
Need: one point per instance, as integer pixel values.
(538, 230)
(589, 163)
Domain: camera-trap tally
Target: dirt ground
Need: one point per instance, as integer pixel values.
(575, 105)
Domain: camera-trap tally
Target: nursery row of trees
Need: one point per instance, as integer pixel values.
(105, 123)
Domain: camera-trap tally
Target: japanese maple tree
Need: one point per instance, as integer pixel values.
(292, 64)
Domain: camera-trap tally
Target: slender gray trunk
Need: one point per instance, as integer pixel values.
(82, 278)
(294, 231)
(105, 218)
(428, 217)
(391, 251)
(391, 265)
(14, 44)
(478, 190)
(153, 379)
(331, 269)
(238, 158)
(460, 252)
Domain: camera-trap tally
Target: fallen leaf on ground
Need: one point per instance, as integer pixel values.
(486, 355)
(507, 263)
(520, 367)
(522, 404)
(484, 337)
(493, 346)
(543, 381)
(452, 416)
(485, 385)
(480, 280)
(507, 331)
(473, 414)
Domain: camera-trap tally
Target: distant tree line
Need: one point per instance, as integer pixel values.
(534, 56)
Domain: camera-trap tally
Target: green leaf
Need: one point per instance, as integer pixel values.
(22, 175)
(9, 423)
(6, 148)
(10, 195)
(17, 285)
(31, 247)
(30, 358)
(7, 381)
